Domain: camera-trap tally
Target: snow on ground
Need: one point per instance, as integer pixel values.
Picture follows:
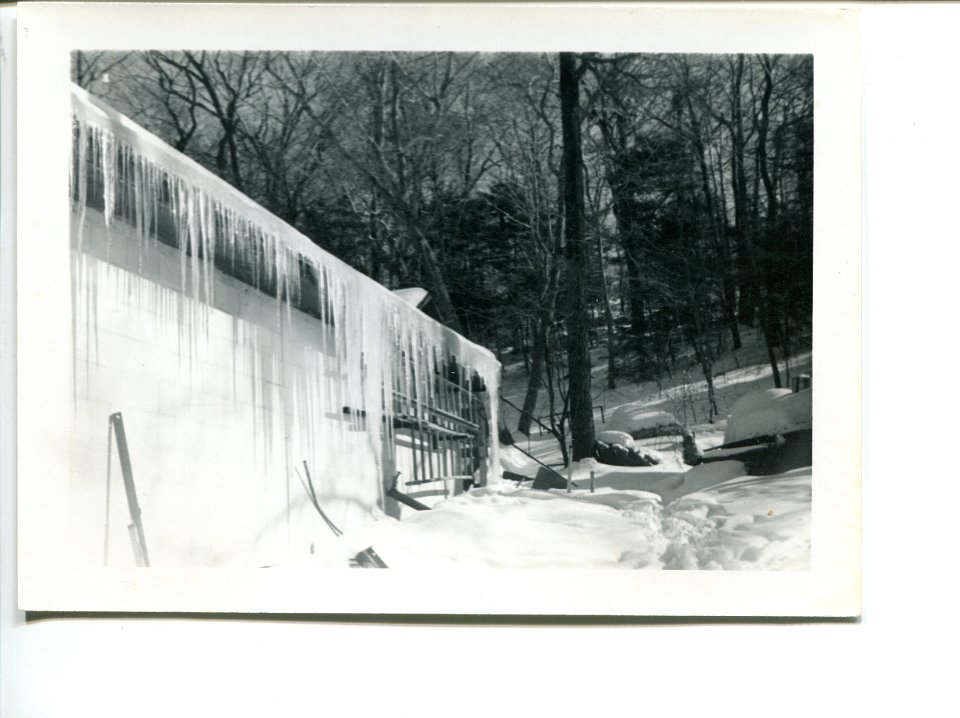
(711, 517)
(746, 522)
(668, 516)
(509, 527)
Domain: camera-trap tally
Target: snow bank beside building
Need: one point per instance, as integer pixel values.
(743, 522)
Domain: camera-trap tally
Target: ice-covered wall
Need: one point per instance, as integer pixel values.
(224, 389)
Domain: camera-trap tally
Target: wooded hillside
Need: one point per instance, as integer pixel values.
(653, 203)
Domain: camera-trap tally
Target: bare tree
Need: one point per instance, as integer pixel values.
(577, 253)
(92, 68)
(397, 151)
(528, 146)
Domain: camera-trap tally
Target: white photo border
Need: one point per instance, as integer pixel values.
(46, 35)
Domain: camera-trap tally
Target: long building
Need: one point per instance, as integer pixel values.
(229, 375)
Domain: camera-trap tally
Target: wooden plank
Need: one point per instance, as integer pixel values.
(136, 525)
(463, 477)
(403, 421)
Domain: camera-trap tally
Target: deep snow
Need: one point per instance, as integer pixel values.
(668, 516)
(662, 517)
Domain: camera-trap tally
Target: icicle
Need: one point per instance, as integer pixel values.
(81, 153)
(108, 159)
(370, 343)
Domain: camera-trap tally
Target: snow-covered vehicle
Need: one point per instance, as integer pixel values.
(770, 431)
(640, 422)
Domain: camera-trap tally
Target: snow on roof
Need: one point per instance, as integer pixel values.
(112, 128)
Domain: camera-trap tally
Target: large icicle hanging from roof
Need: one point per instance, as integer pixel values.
(369, 325)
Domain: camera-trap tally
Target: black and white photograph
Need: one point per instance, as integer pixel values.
(514, 312)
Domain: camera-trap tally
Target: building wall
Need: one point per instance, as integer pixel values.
(220, 404)
(225, 390)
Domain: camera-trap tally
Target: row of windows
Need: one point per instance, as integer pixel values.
(249, 265)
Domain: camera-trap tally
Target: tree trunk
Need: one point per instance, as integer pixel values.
(716, 231)
(536, 377)
(577, 258)
(748, 299)
(771, 300)
(631, 283)
(772, 356)
(605, 298)
(558, 429)
(622, 282)
(707, 366)
(522, 346)
(431, 265)
(704, 356)
(373, 222)
(608, 322)
(542, 322)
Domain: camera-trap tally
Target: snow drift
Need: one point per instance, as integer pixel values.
(712, 517)
(740, 523)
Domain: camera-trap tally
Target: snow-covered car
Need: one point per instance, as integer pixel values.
(770, 430)
(640, 422)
